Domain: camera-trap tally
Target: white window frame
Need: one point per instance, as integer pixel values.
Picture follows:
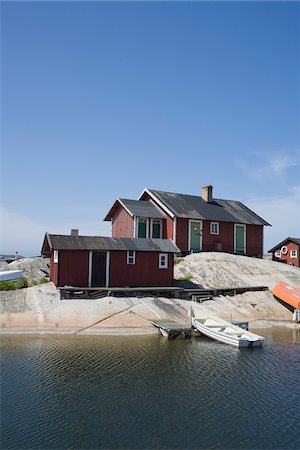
(151, 227)
(163, 256)
(55, 256)
(137, 226)
(293, 253)
(277, 254)
(131, 256)
(217, 227)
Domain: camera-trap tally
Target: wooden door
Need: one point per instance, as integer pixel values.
(195, 236)
(240, 239)
(99, 269)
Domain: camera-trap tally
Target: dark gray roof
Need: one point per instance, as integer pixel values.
(194, 207)
(103, 243)
(285, 241)
(142, 209)
(135, 208)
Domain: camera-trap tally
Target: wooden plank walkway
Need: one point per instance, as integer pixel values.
(98, 292)
(200, 295)
(173, 330)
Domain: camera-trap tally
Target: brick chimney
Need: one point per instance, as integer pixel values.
(206, 193)
(74, 232)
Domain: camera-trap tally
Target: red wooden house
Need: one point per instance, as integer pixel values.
(193, 223)
(94, 261)
(287, 251)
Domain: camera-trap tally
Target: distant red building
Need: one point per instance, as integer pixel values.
(193, 223)
(287, 251)
(94, 261)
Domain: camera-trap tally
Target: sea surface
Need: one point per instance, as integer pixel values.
(84, 392)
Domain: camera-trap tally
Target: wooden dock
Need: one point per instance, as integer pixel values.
(73, 292)
(173, 330)
(200, 295)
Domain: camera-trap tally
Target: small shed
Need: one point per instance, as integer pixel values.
(96, 261)
(287, 251)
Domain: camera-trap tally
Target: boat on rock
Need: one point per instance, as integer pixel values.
(225, 332)
(287, 295)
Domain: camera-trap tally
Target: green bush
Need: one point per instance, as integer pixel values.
(13, 284)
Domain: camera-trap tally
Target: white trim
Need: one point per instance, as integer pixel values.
(55, 256)
(135, 226)
(201, 229)
(234, 237)
(107, 268)
(174, 229)
(147, 226)
(157, 201)
(131, 256)
(218, 228)
(151, 228)
(278, 255)
(117, 200)
(295, 255)
(90, 268)
(162, 266)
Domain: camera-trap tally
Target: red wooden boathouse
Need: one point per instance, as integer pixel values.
(94, 261)
(287, 251)
(193, 223)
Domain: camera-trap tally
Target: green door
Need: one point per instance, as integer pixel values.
(195, 236)
(240, 238)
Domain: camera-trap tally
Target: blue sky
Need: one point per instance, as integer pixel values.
(103, 99)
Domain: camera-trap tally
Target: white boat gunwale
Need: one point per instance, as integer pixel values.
(225, 332)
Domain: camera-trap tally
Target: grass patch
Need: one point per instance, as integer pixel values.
(42, 280)
(178, 259)
(186, 278)
(12, 285)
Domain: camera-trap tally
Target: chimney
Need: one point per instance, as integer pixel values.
(74, 232)
(206, 193)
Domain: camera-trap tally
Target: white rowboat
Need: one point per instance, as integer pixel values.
(226, 332)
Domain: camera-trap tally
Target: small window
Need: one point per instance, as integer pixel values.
(293, 254)
(130, 257)
(156, 229)
(163, 260)
(142, 228)
(277, 253)
(214, 227)
(55, 256)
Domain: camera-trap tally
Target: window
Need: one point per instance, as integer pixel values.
(163, 260)
(55, 256)
(156, 229)
(277, 253)
(142, 228)
(130, 257)
(214, 227)
(293, 254)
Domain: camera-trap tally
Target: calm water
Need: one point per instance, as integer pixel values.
(149, 393)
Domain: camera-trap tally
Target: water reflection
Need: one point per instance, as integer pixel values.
(147, 392)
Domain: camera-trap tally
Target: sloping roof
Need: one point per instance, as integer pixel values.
(285, 241)
(194, 207)
(103, 243)
(136, 208)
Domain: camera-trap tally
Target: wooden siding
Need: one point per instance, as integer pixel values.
(73, 268)
(53, 270)
(145, 271)
(122, 223)
(182, 234)
(287, 258)
(222, 242)
(254, 240)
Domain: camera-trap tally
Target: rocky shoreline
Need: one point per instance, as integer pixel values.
(39, 309)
